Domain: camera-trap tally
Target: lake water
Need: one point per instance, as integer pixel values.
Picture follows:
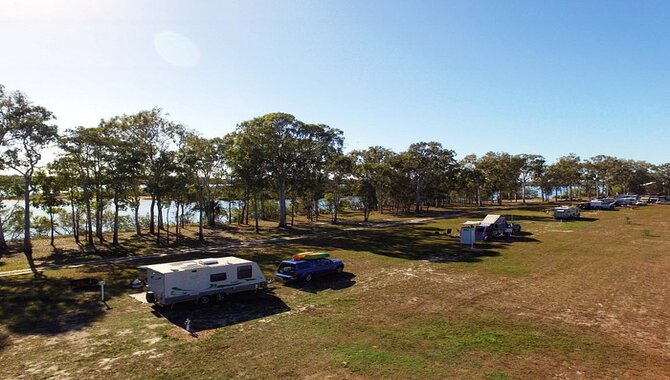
(145, 206)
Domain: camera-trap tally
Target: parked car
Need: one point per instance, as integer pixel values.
(601, 205)
(307, 270)
(584, 206)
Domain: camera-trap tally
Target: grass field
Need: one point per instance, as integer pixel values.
(584, 299)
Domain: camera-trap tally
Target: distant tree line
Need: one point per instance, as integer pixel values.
(274, 159)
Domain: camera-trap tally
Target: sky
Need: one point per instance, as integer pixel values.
(543, 77)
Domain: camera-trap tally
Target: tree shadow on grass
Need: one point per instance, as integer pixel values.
(335, 281)
(409, 243)
(41, 305)
(234, 309)
(4, 341)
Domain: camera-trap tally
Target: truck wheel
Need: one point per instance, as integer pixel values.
(151, 297)
(308, 277)
(339, 269)
(204, 300)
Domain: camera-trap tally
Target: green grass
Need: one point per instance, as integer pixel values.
(413, 304)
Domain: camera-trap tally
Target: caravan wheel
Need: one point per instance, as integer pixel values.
(204, 300)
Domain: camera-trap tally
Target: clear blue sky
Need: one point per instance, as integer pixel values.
(541, 77)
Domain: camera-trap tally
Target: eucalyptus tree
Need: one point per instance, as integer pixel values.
(568, 172)
(431, 167)
(82, 152)
(338, 173)
(152, 135)
(373, 172)
(249, 168)
(531, 170)
(68, 174)
(471, 178)
(122, 169)
(501, 172)
(201, 159)
(48, 197)
(10, 187)
(401, 174)
(661, 179)
(285, 143)
(25, 130)
(601, 170)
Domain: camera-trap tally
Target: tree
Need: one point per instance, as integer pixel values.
(48, 197)
(471, 178)
(286, 143)
(430, 166)
(338, 170)
(25, 132)
(152, 135)
(567, 172)
(372, 173)
(201, 157)
(531, 171)
(501, 173)
(10, 186)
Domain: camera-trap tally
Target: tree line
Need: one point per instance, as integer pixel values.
(273, 158)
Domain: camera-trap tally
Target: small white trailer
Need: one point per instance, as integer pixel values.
(566, 212)
(201, 280)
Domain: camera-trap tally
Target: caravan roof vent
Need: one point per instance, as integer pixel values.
(209, 262)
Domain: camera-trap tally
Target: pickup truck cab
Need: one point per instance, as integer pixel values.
(306, 270)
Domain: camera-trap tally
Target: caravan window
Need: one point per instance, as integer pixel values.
(217, 277)
(244, 271)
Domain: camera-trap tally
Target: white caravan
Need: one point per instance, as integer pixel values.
(566, 212)
(201, 280)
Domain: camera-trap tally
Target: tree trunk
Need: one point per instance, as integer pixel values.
(89, 221)
(201, 235)
(247, 210)
(417, 195)
(167, 224)
(51, 224)
(98, 215)
(176, 223)
(3, 243)
(27, 243)
(230, 211)
(292, 211)
(282, 201)
(115, 235)
(256, 213)
(159, 203)
(152, 225)
(136, 206)
(75, 222)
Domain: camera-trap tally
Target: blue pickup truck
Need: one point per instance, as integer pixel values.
(306, 270)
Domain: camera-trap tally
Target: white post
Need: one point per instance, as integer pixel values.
(102, 290)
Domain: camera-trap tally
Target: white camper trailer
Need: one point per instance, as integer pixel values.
(201, 280)
(566, 212)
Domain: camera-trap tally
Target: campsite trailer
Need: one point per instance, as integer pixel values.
(492, 226)
(495, 226)
(201, 280)
(566, 212)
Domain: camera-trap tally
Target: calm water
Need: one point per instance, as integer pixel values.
(145, 206)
